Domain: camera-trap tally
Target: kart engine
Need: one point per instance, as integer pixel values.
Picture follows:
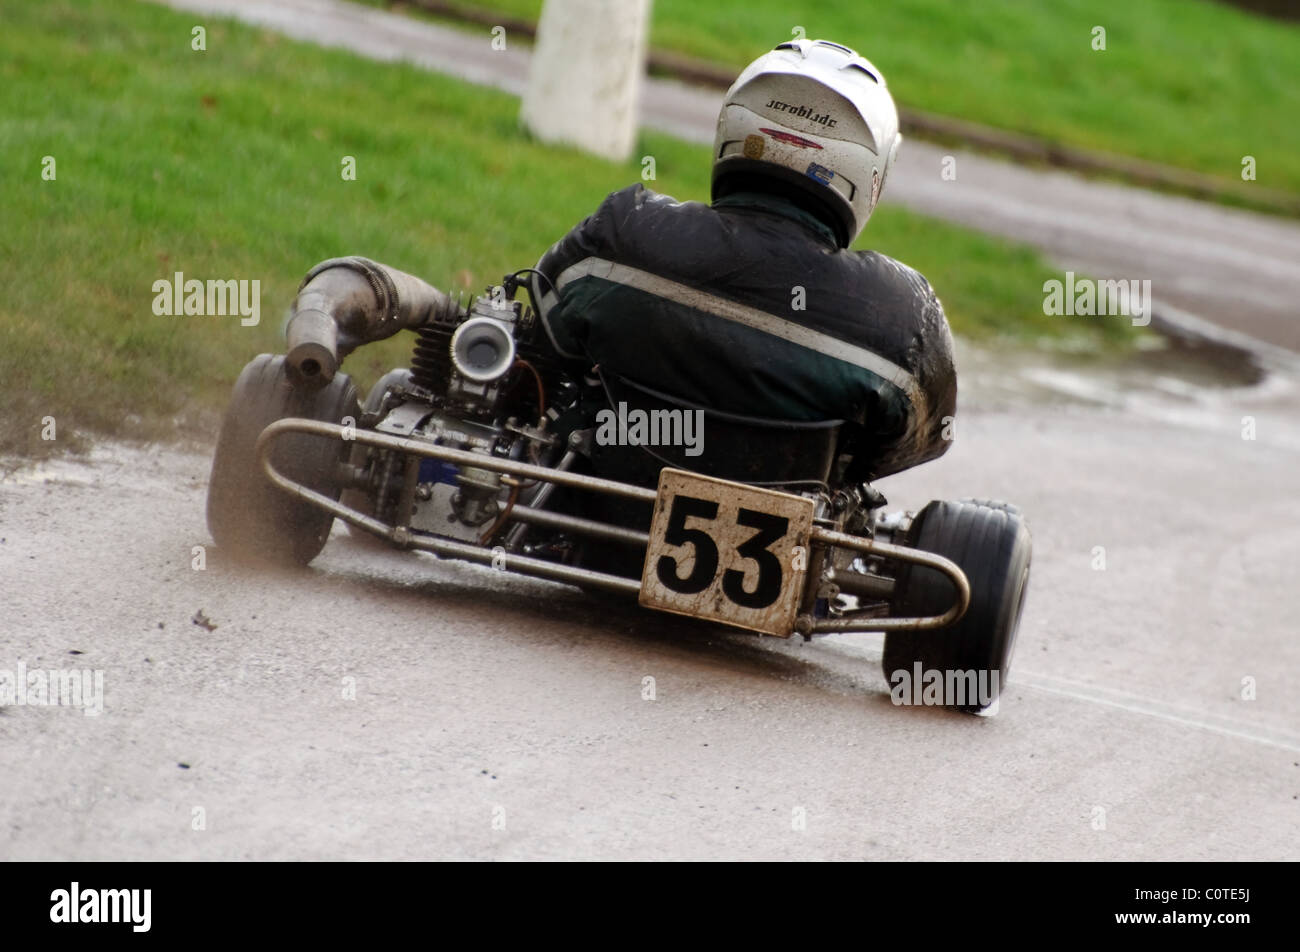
(461, 393)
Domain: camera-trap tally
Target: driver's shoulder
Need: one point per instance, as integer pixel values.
(880, 269)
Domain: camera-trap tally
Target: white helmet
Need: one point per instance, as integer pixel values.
(816, 116)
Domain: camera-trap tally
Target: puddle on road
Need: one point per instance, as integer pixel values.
(1165, 376)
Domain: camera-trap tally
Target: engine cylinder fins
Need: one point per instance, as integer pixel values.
(431, 361)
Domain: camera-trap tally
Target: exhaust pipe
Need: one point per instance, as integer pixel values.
(343, 303)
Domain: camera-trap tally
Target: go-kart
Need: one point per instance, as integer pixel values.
(490, 450)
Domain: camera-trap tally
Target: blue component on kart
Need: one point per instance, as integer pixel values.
(438, 471)
(821, 607)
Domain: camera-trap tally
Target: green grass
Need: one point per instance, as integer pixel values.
(1188, 83)
(226, 164)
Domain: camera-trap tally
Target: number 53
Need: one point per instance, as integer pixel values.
(769, 529)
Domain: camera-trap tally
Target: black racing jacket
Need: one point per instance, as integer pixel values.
(748, 306)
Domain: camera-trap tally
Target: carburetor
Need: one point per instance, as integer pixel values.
(483, 350)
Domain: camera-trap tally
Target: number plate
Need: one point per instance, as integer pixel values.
(727, 552)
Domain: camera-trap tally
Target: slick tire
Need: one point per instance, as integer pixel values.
(992, 546)
(246, 513)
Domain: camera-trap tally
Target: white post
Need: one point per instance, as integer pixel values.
(586, 74)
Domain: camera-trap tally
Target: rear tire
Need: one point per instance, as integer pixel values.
(246, 513)
(992, 546)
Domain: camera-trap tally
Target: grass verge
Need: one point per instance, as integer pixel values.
(1192, 84)
(226, 164)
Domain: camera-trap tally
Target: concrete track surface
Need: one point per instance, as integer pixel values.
(501, 717)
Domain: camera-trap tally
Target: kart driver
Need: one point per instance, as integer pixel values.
(754, 304)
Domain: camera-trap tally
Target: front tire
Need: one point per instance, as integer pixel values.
(246, 513)
(991, 544)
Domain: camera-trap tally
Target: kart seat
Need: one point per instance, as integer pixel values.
(735, 447)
